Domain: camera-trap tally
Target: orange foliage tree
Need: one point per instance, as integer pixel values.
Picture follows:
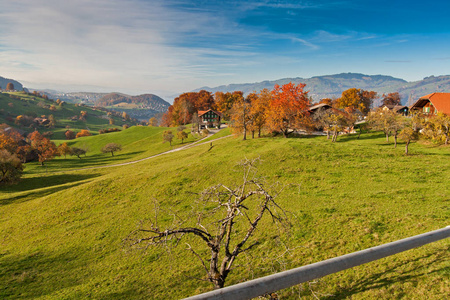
(83, 132)
(259, 107)
(356, 99)
(224, 102)
(287, 108)
(45, 148)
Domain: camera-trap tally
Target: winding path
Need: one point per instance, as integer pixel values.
(188, 146)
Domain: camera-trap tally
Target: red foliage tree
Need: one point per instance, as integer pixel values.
(45, 148)
(287, 108)
(70, 135)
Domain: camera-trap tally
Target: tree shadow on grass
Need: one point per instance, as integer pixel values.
(37, 274)
(400, 274)
(41, 186)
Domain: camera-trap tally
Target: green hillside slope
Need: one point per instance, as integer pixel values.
(62, 233)
(66, 115)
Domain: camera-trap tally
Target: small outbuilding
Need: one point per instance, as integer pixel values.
(400, 109)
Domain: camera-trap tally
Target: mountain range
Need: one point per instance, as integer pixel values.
(327, 86)
(332, 86)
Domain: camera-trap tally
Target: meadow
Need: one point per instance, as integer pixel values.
(63, 230)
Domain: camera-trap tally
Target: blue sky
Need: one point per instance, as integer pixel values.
(172, 46)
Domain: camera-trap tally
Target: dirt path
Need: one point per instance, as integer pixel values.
(188, 146)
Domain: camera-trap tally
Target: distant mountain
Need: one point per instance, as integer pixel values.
(75, 97)
(148, 101)
(330, 86)
(4, 81)
(141, 107)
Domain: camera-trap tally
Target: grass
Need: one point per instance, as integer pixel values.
(137, 142)
(62, 232)
(19, 103)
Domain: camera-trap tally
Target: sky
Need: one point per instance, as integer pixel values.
(167, 47)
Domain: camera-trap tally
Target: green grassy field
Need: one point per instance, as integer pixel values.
(62, 233)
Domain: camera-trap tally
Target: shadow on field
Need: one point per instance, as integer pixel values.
(37, 274)
(44, 186)
(402, 271)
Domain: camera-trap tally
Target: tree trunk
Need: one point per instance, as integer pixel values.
(387, 137)
(395, 141)
(259, 132)
(406, 148)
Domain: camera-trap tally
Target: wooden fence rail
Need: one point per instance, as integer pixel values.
(282, 280)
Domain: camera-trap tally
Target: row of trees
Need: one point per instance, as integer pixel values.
(281, 110)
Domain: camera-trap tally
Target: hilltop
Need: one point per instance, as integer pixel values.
(35, 110)
(4, 81)
(329, 86)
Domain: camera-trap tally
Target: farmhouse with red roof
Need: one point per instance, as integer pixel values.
(433, 103)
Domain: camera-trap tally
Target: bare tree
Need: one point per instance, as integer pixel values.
(225, 222)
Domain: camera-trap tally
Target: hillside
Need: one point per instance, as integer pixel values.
(63, 233)
(330, 86)
(141, 107)
(4, 81)
(35, 109)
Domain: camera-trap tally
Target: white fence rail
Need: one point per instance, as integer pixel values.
(282, 280)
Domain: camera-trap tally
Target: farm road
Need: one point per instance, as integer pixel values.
(195, 144)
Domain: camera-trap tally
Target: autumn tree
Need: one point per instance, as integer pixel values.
(11, 168)
(288, 108)
(438, 128)
(52, 121)
(153, 122)
(225, 101)
(45, 148)
(383, 120)
(10, 86)
(182, 135)
(184, 107)
(258, 111)
(356, 99)
(411, 130)
(70, 135)
(168, 136)
(240, 117)
(223, 224)
(83, 132)
(391, 99)
(111, 148)
(64, 149)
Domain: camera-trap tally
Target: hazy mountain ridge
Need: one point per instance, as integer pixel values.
(4, 81)
(330, 86)
(145, 101)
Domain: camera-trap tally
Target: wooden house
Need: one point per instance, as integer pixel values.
(433, 103)
(209, 119)
(400, 109)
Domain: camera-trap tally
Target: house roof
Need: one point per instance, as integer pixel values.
(395, 107)
(202, 112)
(320, 105)
(441, 101)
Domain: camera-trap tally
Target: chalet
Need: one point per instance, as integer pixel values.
(433, 103)
(319, 107)
(400, 109)
(209, 119)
